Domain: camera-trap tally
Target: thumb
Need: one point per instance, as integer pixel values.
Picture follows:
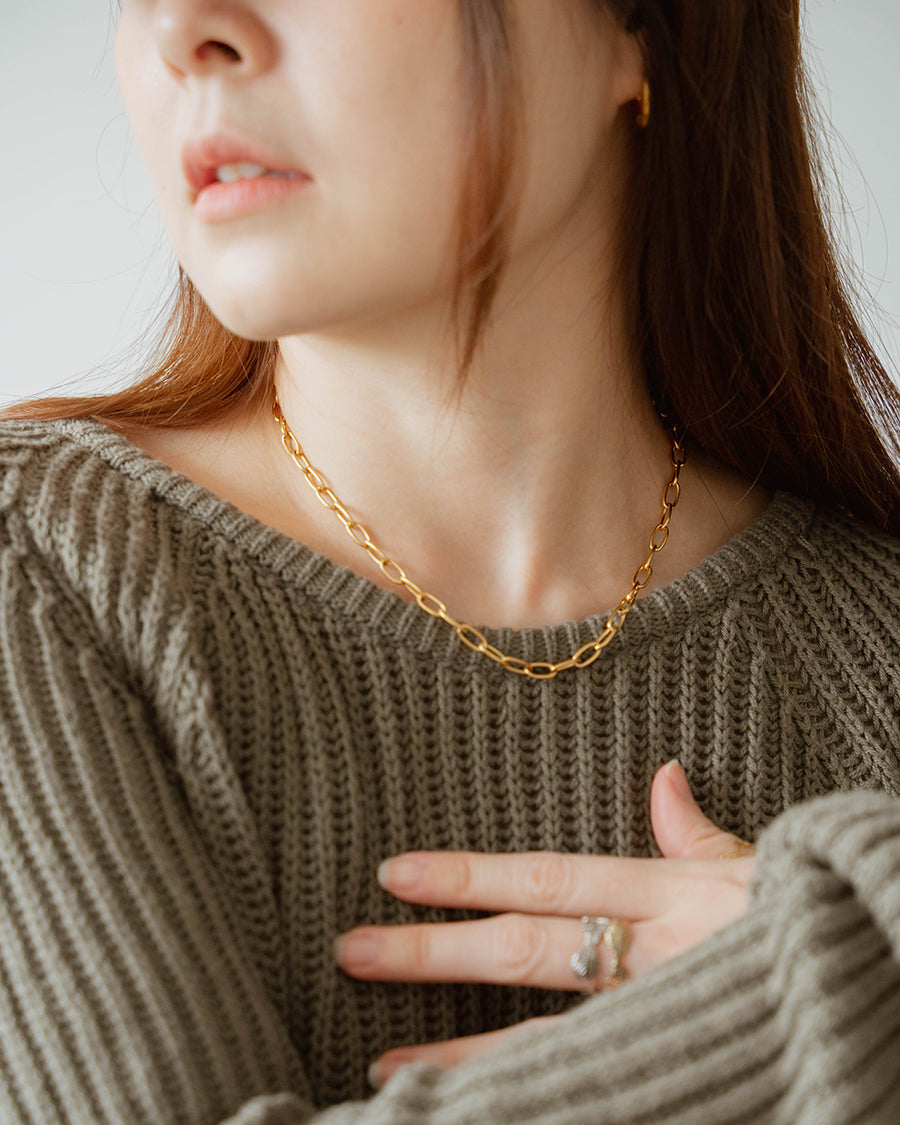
(680, 828)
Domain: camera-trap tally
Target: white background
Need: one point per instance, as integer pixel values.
(84, 263)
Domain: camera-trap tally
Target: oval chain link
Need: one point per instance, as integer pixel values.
(432, 605)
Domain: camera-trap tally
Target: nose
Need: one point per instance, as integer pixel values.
(211, 37)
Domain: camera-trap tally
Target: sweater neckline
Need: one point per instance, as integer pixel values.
(343, 592)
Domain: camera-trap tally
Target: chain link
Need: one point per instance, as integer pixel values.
(470, 636)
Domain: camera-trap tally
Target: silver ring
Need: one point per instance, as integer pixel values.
(616, 936)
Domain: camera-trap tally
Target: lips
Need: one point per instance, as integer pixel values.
(202, 158)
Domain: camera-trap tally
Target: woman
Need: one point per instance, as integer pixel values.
(530, 283)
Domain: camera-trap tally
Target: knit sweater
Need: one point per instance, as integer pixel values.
(210, 736)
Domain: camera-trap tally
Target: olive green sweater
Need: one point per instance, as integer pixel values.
(210, 736)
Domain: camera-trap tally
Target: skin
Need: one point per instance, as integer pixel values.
(353, 276)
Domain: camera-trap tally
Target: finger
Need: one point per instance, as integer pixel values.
(550, 883)
(451, 1052)
(681, 829)
(516, 949)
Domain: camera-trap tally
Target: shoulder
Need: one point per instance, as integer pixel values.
(830, 610)
(40, 461)
(89, 515)
(85, 543)
(846, 564)
(62, 490)
(835, 584)
(39, 471)
(837, 595)
(97, 573)
(797, 562)
(24, 447)
(843, 540)
(814, 591)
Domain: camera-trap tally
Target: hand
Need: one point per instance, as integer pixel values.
(671, 904)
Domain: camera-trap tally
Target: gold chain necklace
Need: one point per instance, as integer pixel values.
(470, 636)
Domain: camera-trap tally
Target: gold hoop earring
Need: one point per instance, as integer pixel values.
(643, 101)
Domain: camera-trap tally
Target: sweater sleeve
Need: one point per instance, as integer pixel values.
(789, 1016)
(128, 993)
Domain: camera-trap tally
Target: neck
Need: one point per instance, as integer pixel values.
(527, 496)
(525, 499)
(492, 496)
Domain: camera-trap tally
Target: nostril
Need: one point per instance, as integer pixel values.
(214, 47)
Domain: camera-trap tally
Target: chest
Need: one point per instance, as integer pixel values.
(350, 750)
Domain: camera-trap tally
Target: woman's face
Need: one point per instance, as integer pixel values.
(358, 108)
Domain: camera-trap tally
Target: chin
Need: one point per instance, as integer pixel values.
(282, 306)
(245, 320)
(260, 320)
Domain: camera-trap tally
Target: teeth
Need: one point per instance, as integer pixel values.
(230, 173)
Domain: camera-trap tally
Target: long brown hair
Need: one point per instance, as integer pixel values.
(746, 328)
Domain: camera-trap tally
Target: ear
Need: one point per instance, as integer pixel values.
(628, 62)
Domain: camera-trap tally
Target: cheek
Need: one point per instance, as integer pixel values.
(382, 142)
(150, 107)
(132, 61)
(380, 99)
(344, 253)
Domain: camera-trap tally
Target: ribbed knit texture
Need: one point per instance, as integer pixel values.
(211, 736)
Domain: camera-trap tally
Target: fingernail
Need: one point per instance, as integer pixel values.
(373, 1074)
(676, 776)
(401, 874)
(357, 948)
